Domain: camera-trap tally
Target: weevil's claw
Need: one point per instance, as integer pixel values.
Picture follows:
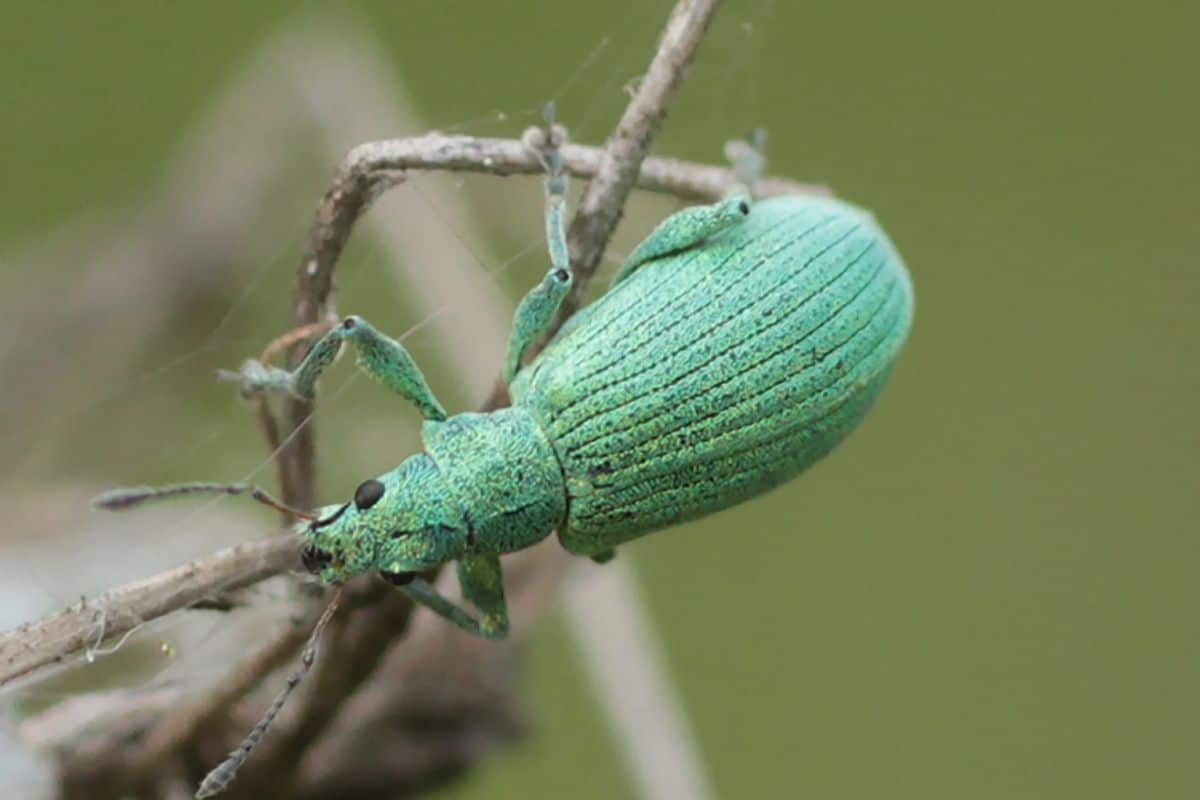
(534, 142)
(543, 143)
(255, 377)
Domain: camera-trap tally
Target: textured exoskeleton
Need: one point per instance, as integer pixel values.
(713, 374)
(737, 346)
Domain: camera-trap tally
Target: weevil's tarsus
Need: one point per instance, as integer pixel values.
(255, 377)
(538, 309)
(128, 497)
(223, 774)
(686, 229)
(748, 159)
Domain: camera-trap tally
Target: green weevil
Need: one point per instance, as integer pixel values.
(736, 346)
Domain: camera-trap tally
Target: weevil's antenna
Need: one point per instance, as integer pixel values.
(223, 774)
(118, 499)
(332, 518)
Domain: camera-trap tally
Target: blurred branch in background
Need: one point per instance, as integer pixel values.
(377, 694)
(627, 668)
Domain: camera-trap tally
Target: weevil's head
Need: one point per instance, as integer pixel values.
(400, 523)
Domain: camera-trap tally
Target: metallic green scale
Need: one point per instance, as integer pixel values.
(711, 375)
(737, 346)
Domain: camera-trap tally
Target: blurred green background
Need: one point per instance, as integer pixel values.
(988, 592)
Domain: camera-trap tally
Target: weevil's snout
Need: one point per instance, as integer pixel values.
(398, 524)
(328, 541)
(343, 540)
(315, 559)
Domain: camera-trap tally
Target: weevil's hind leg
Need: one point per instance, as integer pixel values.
(380, 356)
(692, 226)
(597, 546)
(482, 586)
(538, 309)
(684, 230)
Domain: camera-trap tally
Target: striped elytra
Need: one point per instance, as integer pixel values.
(709, 376)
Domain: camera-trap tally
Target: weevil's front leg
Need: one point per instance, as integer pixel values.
(539, 307)
(380, 356)
(482, 586)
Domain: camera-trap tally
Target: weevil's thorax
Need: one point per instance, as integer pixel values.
(504, 475)
(488, 483)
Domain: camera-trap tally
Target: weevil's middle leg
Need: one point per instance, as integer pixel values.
(380, 356)
(482, 585)
(537, 310)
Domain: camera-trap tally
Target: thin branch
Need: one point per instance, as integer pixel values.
(330, 230)
(622, 161)
(268, 425)
(437, 152)
(120, 610)
(625, 664)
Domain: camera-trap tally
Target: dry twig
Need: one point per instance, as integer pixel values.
(119, 610)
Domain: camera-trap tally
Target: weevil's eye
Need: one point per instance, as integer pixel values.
(561, 275)
(367, 494)
(744, 207)
(314, 558)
